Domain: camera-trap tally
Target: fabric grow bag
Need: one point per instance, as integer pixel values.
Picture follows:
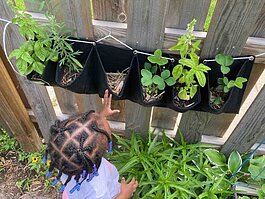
(240, 68)
(112, 59)
(48, 76)
(139, 96)
(85, 82)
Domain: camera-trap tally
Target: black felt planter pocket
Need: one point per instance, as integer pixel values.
(110, 64)
(232, 103)
(161, 101)
(47, 77)
(84, 81)
(181, 105)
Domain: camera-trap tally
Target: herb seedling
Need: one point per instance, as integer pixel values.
(151, 81)
(36, 51)
(224, 84)
(189, 73)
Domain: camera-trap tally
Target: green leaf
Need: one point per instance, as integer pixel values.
(225, 80)
(147, 66)
(165, 74)
(226, 89)
(201, 78)
(231, 84)
(239, 82)
(263, 188)
(22, 66)
(234, 161)
(160, 82)
(177, 71)
(15, 53)
(170, 81)
(38, 67)
(26, 57)
(146, 73)
(175, 48)
(41, 54)
(215, 157)
(224, 60)
(69, 47)
(157, 58)
(146, 81)
(186, 62)
(183, 94)
(203, 68)
(225, 70)
(196, 44)
(220, 81)
(78, 64)
(193, 90)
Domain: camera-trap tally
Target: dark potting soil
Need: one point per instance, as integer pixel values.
(214, 93)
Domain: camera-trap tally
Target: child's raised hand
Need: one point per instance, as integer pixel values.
(127, 190)
(106, 109)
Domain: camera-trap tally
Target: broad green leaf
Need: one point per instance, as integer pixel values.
(146, 73)
(38, 67)
(234, 161)
(26, 57)
(175, 48)
(146, 81)
(225, 80)
(201, 78)
(226, 89)
(29, 69)
(225, 70)
(204, 68)
(147, 66)
(160, 82)
(215, 157)
(183, 94)
(220, 81)
(177, 71)
(224, 60)
(158, 53)
(157, 58)
(193, 90)
(263, 188)
(217, 100)
(170, 81)
(186, 62)
(196, 44)
(22, 66)
(239, 82)
(154, 69)
(165, 74)
(15, 53)
(41, 53)
(231, 84)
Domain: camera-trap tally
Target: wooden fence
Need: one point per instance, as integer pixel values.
(237, 27)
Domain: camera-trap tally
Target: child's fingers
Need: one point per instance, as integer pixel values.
(115, 111)
(123, 180)
(110, 98)
(106, 96)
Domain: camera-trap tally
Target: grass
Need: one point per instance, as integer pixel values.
(209, 15)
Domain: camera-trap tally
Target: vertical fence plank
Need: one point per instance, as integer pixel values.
(146, 27)
(250, 128)
(77, 16)
(260, 24)
(112, 11)
(13, 111)
(224, 36)
(41, 108)
(182, 12)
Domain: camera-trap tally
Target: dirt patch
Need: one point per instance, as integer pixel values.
(12, 171)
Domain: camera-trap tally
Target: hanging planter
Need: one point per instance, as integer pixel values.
(227, 83)
(76, 74)
(113, 69)
(155, 77)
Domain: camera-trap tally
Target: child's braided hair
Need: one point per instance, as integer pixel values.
(77, 145)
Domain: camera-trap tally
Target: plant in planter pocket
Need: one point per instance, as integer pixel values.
(189, 72)
(36, 51)
(220, 93)
(154, 78)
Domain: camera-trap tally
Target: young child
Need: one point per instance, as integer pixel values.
(76, 149)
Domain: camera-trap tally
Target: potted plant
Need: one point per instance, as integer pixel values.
(189, 73)
(113, 67)
(227, 82)
(35, 57)
(155, 76)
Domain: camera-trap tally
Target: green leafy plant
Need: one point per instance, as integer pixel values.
(151, 81)
(224, 84)
(7, 143)
(166, 169)
(36, 51)
(189, 72)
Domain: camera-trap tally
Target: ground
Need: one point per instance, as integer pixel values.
(11, 171)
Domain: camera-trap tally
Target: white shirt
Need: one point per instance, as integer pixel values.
(103, 186)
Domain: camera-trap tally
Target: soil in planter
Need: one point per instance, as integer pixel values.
(116, 80)
(69, 77)
(154, 96)
(214, 93)
(179, 102)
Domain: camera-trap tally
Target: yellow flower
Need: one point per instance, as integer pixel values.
(48, 163)
(34, 159)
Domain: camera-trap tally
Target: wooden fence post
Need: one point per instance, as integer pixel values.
(217, 41)
(15, 115)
